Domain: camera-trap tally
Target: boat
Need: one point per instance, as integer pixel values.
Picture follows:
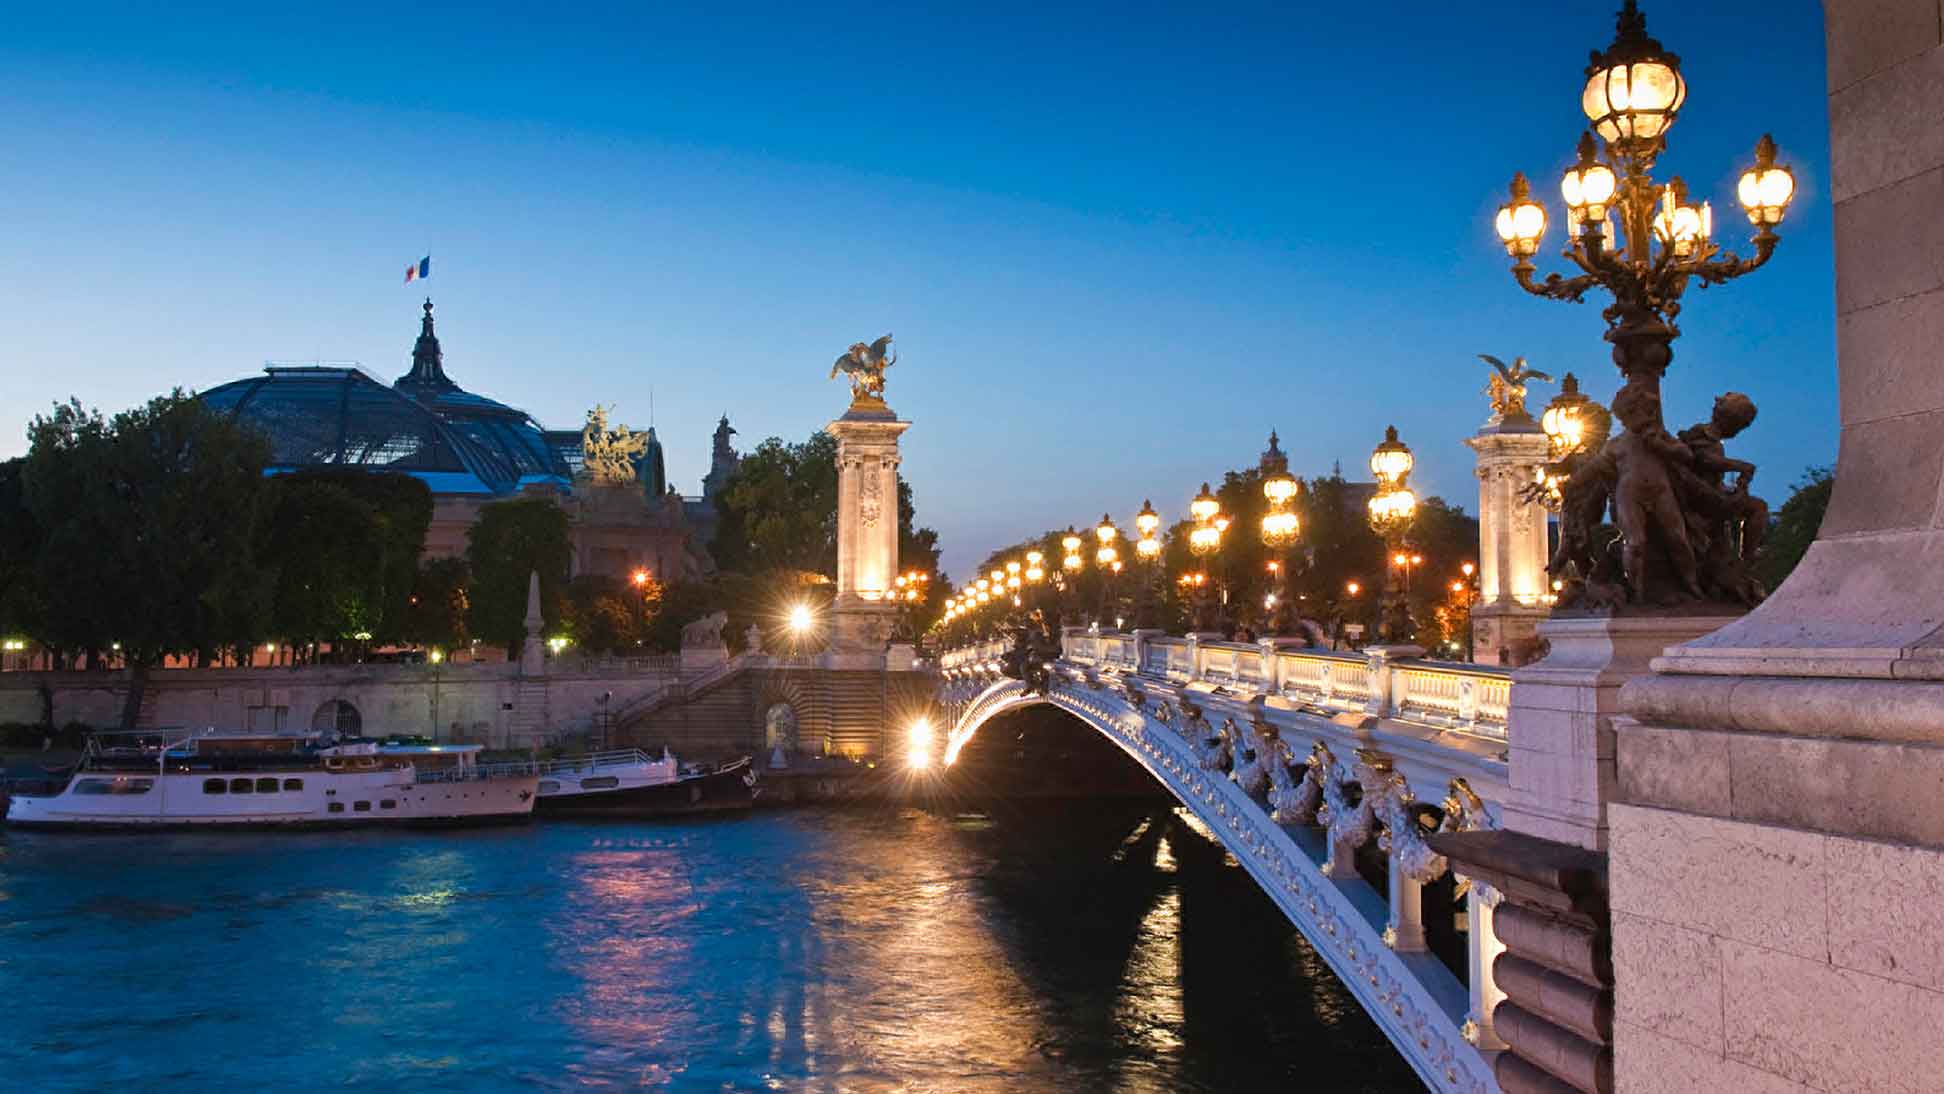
(631, 783)
(146, 779)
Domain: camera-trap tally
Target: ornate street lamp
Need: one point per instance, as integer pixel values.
(1644, 242)
(1147, 551)
(1280, 528)
(1575, 426)
(1107, 557)
(1204, 540)
(1391, 511)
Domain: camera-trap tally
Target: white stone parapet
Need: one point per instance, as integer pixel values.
(1296, 759)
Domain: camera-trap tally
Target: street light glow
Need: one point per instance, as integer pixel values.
(802, 619)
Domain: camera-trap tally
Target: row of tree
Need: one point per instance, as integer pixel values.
(156, 533)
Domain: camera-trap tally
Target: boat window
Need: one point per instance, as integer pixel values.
(337, 807)
(600, 782)
(241, 786)
(214, 786)
(293, 784)
(361, 807)
(548, 786)
(267, 786)
(388, 804)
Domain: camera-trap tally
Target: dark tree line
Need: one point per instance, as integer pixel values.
(155, 533)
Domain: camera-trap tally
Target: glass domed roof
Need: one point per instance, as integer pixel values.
(425, 425)
(500, 429)
(323, 416)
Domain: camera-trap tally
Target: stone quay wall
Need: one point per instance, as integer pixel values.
(491, 704)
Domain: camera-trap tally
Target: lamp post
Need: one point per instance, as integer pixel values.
(1107, 557)
(1644, 242)
(1071, 565)
(1280, 528)
(1204, 541)
(1391, 511)
(1147, 551)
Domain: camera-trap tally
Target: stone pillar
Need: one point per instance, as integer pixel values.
(1791, 761)
(533, 653)
(1482, 951)
(1512, 541)
(1559, 731)
(867, 527)
(1405, 934)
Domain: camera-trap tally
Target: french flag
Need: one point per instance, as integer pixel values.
(419, 271)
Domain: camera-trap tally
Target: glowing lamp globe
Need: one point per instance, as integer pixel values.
(1765, 189)
(1205, 505)
(1391, 460)
(1522, 221)
(1279, 528)
(1147, 521)
(1634, 90)
(1588, 185)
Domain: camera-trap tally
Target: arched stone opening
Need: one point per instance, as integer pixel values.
(337, 716)
(1043, 751)
(780, 728)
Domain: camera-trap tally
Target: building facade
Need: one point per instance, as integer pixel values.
(471, 451)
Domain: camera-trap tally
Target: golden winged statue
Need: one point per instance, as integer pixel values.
(1507, 388)
(863, 365)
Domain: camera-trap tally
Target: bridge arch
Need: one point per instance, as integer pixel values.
(1267, 781)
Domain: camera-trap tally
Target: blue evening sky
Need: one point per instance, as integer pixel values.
(1117, 243)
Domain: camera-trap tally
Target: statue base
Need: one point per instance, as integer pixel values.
(861, 626)
(1560, 729)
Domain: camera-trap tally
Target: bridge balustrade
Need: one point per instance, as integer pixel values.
(1298, 759)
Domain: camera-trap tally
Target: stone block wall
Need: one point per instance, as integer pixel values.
(480, 703)
(1761, 958)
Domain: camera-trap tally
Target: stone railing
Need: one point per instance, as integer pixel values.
(1298, 759)
(1471, 699)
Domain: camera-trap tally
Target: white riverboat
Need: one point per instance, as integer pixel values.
(631, 783)
(216, 779)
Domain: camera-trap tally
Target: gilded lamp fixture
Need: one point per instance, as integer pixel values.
(1643, 241)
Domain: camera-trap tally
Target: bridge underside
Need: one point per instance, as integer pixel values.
(1417, 1001)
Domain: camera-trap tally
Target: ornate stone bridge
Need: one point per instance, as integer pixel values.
(1298, 761)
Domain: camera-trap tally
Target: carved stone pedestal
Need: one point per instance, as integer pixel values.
(1512, 550)
(1560, 729)
(867, 526)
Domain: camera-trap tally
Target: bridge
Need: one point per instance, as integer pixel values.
(1323, 774)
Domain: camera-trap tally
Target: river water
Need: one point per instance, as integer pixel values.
(1060, 948)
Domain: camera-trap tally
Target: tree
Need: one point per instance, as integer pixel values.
(509, 541)
(1795, 527)
(150, 523)
(436, 614)
(602, 615)
(326, 544)
(401, 509)
(779, 513)
(21, 608)
(780, 509)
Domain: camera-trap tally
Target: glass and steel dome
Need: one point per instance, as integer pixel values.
(500, 429)
(426, 425)
(323, 416)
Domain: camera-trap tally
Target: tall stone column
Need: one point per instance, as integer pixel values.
(867, 527)
(1791, 760)
(1512, 543)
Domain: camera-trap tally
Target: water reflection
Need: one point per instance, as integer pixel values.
(1066, 948)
